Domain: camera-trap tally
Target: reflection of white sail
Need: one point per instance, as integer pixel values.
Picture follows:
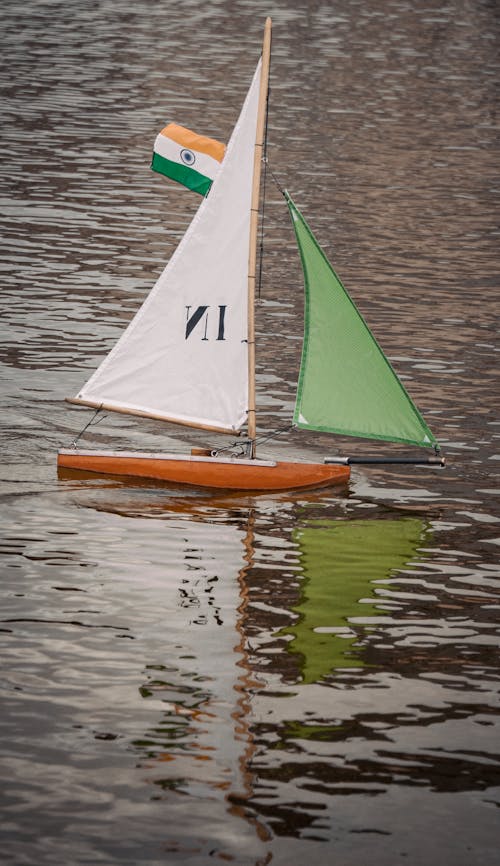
(197, 687)
(198, 743)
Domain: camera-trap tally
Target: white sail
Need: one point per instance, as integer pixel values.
(184, 357)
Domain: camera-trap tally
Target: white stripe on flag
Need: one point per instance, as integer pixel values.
(204, 164)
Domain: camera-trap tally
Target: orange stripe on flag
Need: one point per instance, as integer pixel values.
(193, 141)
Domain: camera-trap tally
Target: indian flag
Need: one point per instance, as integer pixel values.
(186, 157)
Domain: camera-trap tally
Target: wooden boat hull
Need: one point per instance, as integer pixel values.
(224, 473)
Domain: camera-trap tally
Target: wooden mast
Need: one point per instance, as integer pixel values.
(254, 215)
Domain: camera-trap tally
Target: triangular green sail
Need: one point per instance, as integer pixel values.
(346, 384)
(341, 561)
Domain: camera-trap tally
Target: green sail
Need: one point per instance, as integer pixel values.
(346, 384)
(342, 562)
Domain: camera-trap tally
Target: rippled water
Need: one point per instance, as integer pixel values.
(282, 679)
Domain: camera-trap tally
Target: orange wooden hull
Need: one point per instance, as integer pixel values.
(200, 471)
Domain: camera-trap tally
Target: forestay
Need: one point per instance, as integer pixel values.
(346, 384)
(184, 357)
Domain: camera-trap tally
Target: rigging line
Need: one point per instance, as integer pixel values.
(90, 423)
(274, 433)
(258, 441)
(276, 181)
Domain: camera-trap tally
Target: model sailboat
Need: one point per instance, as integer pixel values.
(188, 356)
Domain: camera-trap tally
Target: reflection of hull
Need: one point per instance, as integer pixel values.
(206, 471)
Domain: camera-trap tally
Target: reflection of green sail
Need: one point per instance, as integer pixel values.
(340, 560)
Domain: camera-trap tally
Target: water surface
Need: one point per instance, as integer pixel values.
(189, 677)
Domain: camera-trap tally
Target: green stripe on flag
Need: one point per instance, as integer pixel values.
(182, 174)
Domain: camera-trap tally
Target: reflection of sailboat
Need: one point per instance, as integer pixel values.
(189, 354)
(341, 560)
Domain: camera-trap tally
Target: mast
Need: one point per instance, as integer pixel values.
(254, 215)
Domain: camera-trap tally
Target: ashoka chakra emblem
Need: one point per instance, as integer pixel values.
(188, 156)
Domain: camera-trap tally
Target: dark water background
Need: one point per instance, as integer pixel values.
(290, 679)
